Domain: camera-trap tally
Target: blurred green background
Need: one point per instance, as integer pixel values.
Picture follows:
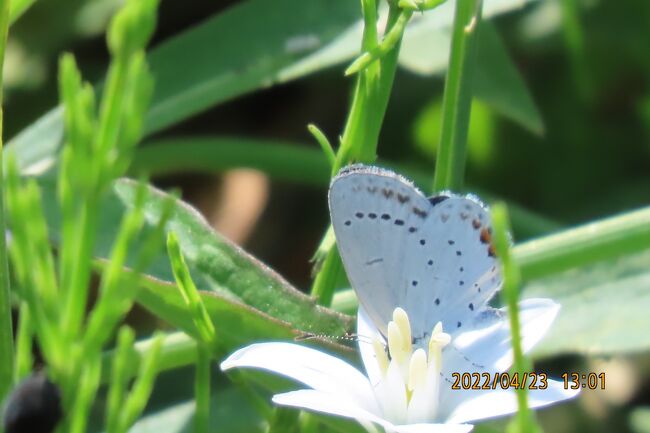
(586, 65)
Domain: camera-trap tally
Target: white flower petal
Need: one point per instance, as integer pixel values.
(334, 405)
(327, 403)
(314, 368)
(391, 394)
(487, 404)
(367, 332)
(433, 428)
(488, 347)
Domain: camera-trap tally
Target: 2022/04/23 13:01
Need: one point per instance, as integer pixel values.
(584, 381)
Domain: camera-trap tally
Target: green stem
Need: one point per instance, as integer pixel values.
(6, 332)
(524, 421)
(457, 100)
(511, 282)
(24, 340)
(326, 279)
(361, 132)
(202, 389)
(178, 350)
(387, 44)
(120, 376)
(189, 292)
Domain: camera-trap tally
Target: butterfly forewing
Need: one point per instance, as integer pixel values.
(432, 257)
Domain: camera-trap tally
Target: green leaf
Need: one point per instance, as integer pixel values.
(280, 160)
(245, 299)
(227, 56)
(500, 84)
(216, 61)
(36, 147)
(604, 307)
(197, 69)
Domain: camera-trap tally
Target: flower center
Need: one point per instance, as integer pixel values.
(410, 379)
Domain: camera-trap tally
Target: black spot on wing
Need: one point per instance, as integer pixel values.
(437, 199)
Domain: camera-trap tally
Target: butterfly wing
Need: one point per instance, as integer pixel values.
(401, 249)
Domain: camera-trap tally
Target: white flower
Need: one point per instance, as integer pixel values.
(408, 388)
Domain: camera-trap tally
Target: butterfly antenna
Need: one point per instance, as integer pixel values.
(348, 336)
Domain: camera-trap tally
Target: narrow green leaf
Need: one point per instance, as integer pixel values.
(18, 7)
(280, 160)
(6, 332)
(599, 240)
(204, 325)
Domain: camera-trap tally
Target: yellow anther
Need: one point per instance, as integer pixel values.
(401, 319)
(380, 354)
(395, 344)
(438, 340)
(417, 369)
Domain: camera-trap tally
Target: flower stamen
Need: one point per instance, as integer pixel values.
(417, 391)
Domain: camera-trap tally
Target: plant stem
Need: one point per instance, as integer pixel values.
(178, 350)
(202, 389)
(24, 340)
(457, 100)
(523, 421)
(361, 132)
(511, 281)
(6, 332)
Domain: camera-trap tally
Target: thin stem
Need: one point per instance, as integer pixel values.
(324, 143)
(457, 100)
(202, 389)
(189, 292)
(6, 332)
(511, 282)
(141, 390)
(24, 340)
(326, 279)
(387, 44)
(119, 378)
(178, 350)
(361, 132)
(524, 421)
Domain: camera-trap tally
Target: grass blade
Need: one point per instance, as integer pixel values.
(6, 333)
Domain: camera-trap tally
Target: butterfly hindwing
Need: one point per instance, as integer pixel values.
(432, 257)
